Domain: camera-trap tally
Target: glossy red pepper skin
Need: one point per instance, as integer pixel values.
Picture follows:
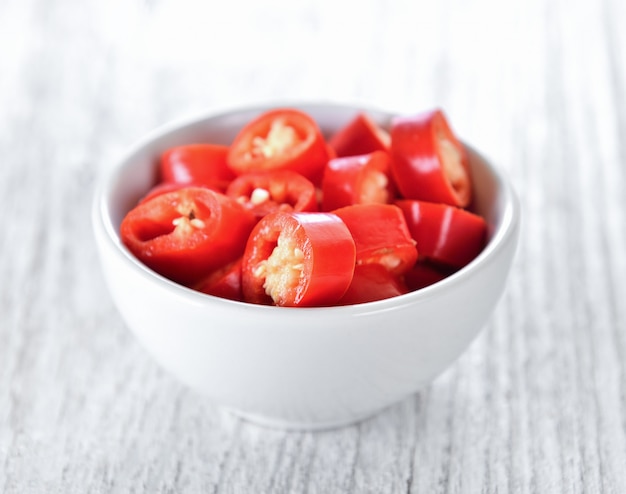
(276, 190)
(280, 139)
(381, 236)
(298, 260)
(372, 282)
(186, 234)
(443, 233)
(225, 282)
(361, 135)
(428, 161)
(360, 179)
(197, 164)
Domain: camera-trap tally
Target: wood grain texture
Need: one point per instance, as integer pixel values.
(536, 405)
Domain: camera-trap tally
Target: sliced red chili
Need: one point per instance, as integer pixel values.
(161, 188)
(445, 234)
(381, 235)
(362, 179)
(428, 161)
(425, 273)
(280, 139)
(298, 259)
(186, 234)
(225, 282)
(372, 282)
(360, 136)
(266, 192)
(197, 164)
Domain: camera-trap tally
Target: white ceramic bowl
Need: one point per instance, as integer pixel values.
(295, 367)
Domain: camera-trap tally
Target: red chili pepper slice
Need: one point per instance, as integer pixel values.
(276, 190)
(362, 179)
(445, 234)
(424, 274)
(280, 139)
(428, 162)
(372, 282)
(381, 235)
(160, 188)
(360, 136)
(298, 259)
(197, 164)
(186, 234)
(225, 282)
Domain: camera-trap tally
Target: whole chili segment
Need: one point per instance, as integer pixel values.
(280, 139)
(372, 282)
(425, 273)
(224, 282)
(298, 259)
(197, 164)
(186, 234)
(428, 161)
(445, 234)
(381, 236)
(360, 179)
(361, 135)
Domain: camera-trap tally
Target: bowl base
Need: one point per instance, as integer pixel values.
(296, 425)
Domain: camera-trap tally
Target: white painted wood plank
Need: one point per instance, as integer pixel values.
(538, 403)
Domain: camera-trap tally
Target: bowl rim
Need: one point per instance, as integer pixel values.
(104, 229)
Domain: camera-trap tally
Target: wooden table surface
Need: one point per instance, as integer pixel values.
(538, 402)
